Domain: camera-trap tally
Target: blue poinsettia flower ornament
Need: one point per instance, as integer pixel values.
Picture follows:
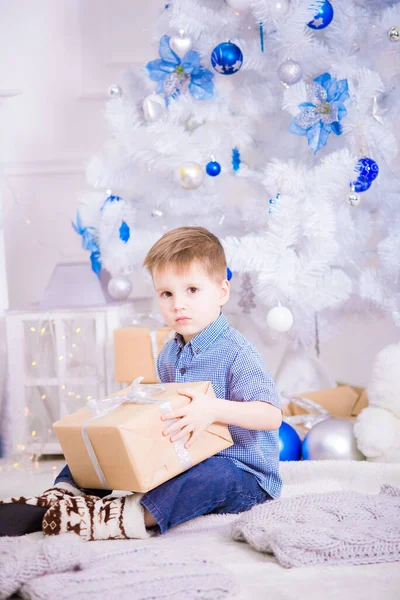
(176, 76)
(322, 114)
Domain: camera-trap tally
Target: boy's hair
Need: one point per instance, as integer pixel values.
(185, 245)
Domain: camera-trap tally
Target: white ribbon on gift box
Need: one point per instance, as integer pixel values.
(136, 394)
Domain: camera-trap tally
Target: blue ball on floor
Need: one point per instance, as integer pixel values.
(289, 443)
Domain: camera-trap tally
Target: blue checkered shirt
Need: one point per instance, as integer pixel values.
(222, 355)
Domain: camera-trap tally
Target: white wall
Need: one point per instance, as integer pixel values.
(64, 54)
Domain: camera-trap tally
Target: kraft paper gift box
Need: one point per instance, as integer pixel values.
(128, 442)
(136, 350)
(343, 402)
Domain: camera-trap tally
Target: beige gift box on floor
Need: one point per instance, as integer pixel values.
(135, 352)
(133, 453)
(343, 402)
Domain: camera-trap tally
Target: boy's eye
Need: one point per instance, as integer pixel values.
(192, 290)
(166, 295)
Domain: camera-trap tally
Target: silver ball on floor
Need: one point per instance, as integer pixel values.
(331, 439)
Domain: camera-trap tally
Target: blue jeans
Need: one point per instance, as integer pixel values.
(215, 485)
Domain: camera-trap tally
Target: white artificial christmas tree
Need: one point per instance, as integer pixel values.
(297, 103)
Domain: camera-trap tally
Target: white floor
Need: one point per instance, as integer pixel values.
(19, 475)
(258, 576)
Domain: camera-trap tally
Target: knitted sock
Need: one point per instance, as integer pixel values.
(54, 494)
(22, 559)
(97, 519)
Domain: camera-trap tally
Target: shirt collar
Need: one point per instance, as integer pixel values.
(205, 338)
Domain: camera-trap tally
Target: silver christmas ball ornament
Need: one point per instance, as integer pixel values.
(115, 91)
(331, 439)
(354, 199)
(394, 34)
(119, 288)
(191, 175)
(180, 44)
(290, 72)
(153, 107)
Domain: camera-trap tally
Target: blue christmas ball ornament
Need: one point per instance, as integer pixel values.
(228, 274)
(213, 168)
(227, 58)
(323, 17)
(367, 169)
(289, 443)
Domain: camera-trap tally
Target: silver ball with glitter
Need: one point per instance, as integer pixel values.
(191, 175)
(331, 439)
(115, 91)
(354, 199)
(290, 72)
(394, 34)
(119, 288)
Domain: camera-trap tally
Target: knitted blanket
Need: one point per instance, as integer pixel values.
(344, 527)
(65, 567)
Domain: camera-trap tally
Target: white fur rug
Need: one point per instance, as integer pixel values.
(260, 577)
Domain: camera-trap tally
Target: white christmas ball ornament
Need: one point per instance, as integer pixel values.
(119, 288)
(354, 199)
(153, 107)
(115, 91)
(191, 175)
(280, 319)
(278, 8)
(180, 44)
(239, 5)
(394, 34)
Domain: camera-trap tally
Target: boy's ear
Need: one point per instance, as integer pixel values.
(225, 292)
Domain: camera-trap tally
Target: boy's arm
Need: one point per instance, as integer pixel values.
(249, 415)
(256, 403)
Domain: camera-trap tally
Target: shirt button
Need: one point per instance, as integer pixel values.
(183, 370)
(197, 351)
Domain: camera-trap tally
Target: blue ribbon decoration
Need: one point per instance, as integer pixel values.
(96, 262)
(261, 36)
(124, 232)
(88, 240)
(89, 243)
(320, 117)
(169, 68)
(235, 159)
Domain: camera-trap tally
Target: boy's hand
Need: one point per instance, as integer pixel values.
(193, 418)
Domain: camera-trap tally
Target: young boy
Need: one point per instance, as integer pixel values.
(188, 268)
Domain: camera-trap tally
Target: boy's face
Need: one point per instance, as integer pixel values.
(190, 300)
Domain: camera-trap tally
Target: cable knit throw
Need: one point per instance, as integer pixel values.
(63, 567)
(331, 528)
